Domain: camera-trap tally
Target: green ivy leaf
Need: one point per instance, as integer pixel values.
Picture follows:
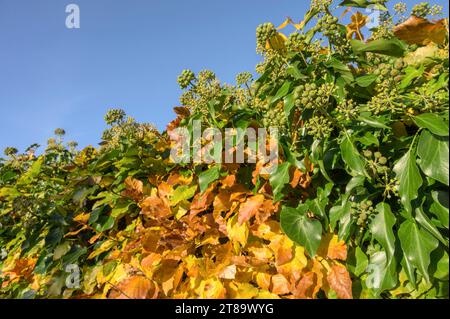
(432, 122)
(417, 245)
(381, 228)
(300, 228)
(433, 152)
(426, 223)
(391, 47)
(282, 91)
(440, 207)
(279, 179)
(409, 177)
(351, 157)
(366, 80)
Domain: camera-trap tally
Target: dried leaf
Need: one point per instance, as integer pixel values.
(250, 208)
(418, 30)
(339, 280)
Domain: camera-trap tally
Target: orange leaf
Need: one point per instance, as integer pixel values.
(354, 28)
(250, 208)
(136, 287)
(339, 280)
(155, 207)
(133, 188)
(202, 201)
(418, 30)
(280, 285)
(305, 286)
(333, 248)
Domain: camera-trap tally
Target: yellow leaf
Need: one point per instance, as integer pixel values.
(105, 246)
(354, 28)
(277, 42)
(236, 232)
(211, 289)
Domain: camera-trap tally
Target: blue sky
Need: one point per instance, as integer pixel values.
(127, 54)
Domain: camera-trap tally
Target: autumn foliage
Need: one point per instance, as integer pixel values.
(355, 209)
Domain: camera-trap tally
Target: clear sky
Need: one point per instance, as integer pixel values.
(127, 54)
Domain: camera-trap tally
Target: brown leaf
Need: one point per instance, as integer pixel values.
(133, 188)
(202, 201)
(155, 207)
(418, 30)
(339, 280)
(250, 208)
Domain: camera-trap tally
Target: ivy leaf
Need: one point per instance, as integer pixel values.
(354, 3)
(426, 223)
(300, 228)
(381, 229)
(391, 47)
(373, 122)
(289, 104)
(440, 207)
(361, 262)
(432, 122)
(351, 156)
(282, 91)
(433, 152)
(207, 177)
(366, 80)
(279, 179)
(381, 274)
(409, 177)
(417, 245)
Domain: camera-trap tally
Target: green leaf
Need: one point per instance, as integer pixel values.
(373, 122)
(411, 73)
(104, 223)
(432, 122)
(354, 182)
(417, 245)
(410, 179)
(61, 250)
(391, 47)
(366, 80)
(182, 193)
(282, 91)
(120, 209)
(442, 267)
(355, 3)
(301, 229)
(440, 207)
(381, 274)
(279, 179)
(426, 223)
(381, 229)
(207, 177)
(433, 152)
(361, 262)
(351, 157)
(289, 104)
